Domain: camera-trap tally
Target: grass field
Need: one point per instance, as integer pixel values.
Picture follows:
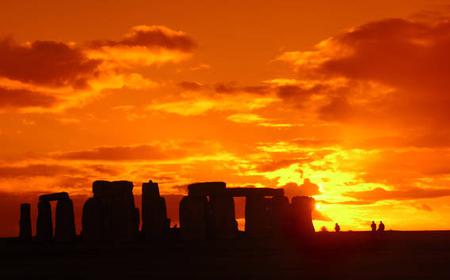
(345, 255)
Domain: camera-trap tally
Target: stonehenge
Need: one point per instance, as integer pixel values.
(193, 213)
(64, 218)
(155, 224)
(110, 214)
(301, 214)
(206, 212)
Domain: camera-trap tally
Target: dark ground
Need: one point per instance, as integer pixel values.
(346, 255)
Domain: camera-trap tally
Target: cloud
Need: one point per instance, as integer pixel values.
(155, 36)
(47, 63)
(119, 153)
(308, 188)
(226, 88)
(378, 194)
(153, 151)
(143, 45)
(319, 216)
(53, 76)
(20, 98)
(199, 104)
(424, 207)
(188, 85)
(248, 118)
(274, 165)
(35, 170)
(199, 99)
(53, 170)
(396, 72)
(407, 167)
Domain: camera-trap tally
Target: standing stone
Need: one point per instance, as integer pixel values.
(278, 214)
(155, 224)
(92, 220)
(44, 225)
(112, 204)
(222, 221)
(302, 215)
(54, 196)
(207, 189)
(193, 217)
(25, 222)
(255, 216)
(64, 221)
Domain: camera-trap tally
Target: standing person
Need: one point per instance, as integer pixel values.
(337, 228)
(373, 226)
(381, 227)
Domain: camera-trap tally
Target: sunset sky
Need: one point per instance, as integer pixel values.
(346, 101)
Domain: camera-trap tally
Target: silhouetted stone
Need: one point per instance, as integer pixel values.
(114, 206)
(92, 220)
(64, 221)
(155, 224)
(122, 190)
(193, 217)
(279, 216)
(256, 216)
(44, 226)
(302, 207)
(244, 192)
(54, 196)
(25, 222)
(221, 218)
(206, 188)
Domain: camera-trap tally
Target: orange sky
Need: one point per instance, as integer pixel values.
(350, 95)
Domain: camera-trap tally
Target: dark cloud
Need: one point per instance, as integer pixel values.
(228, 88)
(152, 37)
(141, 152)
(299, 95)
(225, 88)
(338, 109)
(187, 85)
(46, 63)
(424, 207)
(35, 170)
(319, 216)
(410, 57)
(392, 72)
(306, 189)
(55, 170)
(154, 151)
(406, 194)
(105, 169)
(274, 165)
(64, 69)
(20, 98)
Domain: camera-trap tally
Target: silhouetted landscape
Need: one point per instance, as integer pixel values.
(237, 139)
(279, 240)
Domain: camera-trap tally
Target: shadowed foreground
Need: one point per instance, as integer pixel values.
(347, 255)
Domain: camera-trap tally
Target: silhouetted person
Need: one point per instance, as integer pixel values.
(337, 228)
(381, 227)
(373, 226)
